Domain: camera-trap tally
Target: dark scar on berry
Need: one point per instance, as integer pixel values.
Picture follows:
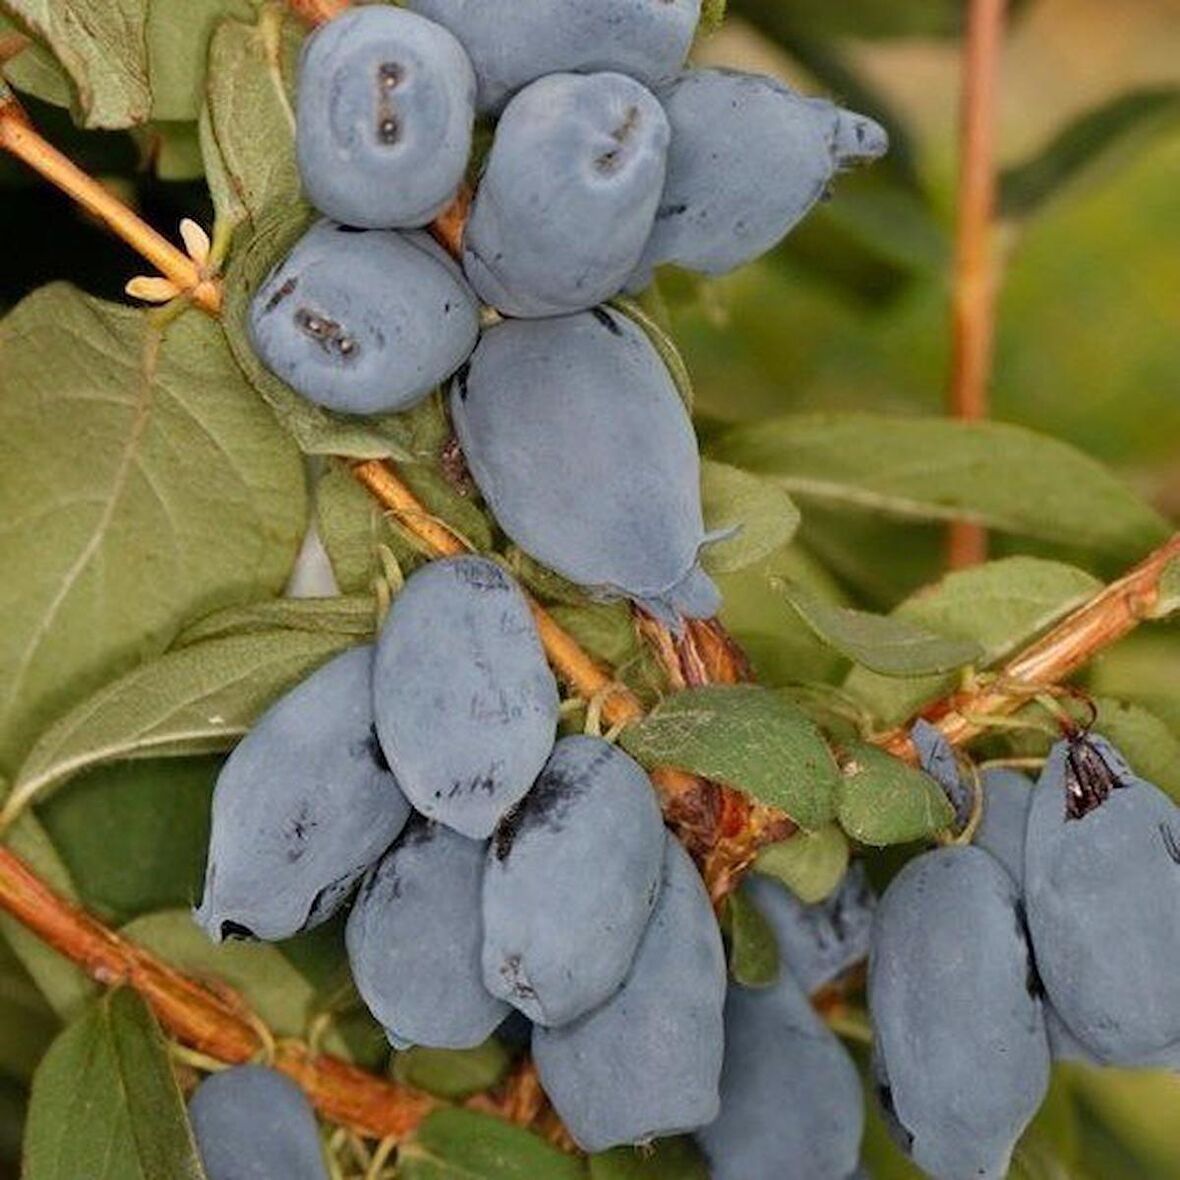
(1171, 844)
(1088, 779)
(606, 320)
(461, 378)
(286, 289)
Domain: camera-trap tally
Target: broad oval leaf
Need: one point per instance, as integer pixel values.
(809, 864)
(464, 1145)
(999, 475)
(345, 615)
(106, 1093)
(763, 516)
(196, 700)
(1000, 606)
(884, 801)
(753, 950)
(1148, 745)
(453, 1073)
(144, 484)
(747, 737)
(890, 646)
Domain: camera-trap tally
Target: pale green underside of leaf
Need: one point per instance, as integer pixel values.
(747, 737)
(883, 801)
(809, 864)
(195, 700)
(463, 1145)
(1000, 606)
(753, 951)
(763, 516)
(996, 474)
(888, 645)
(105, 1102)
(146, 484)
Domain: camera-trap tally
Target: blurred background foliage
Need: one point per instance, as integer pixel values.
(850, 313)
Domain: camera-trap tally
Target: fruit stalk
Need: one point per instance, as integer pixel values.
(18, 136)
(975, 278)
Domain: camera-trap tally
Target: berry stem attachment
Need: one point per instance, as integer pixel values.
(18, 136)
(976, 275)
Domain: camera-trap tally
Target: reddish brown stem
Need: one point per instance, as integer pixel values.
(975, 276)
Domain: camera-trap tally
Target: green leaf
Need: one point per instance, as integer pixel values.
(753, 950)
(1148, 745)
(712, 16)
(144, 484)
(999, 475)
(27, 1023)
(197, 700)
(463, 1145)
(746, 737)
(1094, 135)
(809, 864)
(352, 526)
(134, 835)
(883, 801)
(346, 615)
(453, 1074)
(272, 987)
(35, 70)
(665, 1159)
(248, 126)
(1001, 606)
(106, 1094)
(763, 515)
(101, 44)
(64, 986)
(888, 645)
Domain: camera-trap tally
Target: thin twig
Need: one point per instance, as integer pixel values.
(20, 138)
(975, 277)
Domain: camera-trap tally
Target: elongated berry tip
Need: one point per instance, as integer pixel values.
(857, 139)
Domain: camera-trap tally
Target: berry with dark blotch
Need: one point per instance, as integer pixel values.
(303, 806)
(647, 1063)
(749, 158)
(578, 440)
(572, 876)
(791, 1099)
(252, 1123)
(1103, 898)
(819, 942)
(512, 43)
(466, 705)
(384, 116)
(960, 1053)
(414, 939)
(568, 196)
(364, 322)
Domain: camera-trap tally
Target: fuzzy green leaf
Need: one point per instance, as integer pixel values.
(890, 646)
(197, 700)
(1000, 606)
(144, 484)
(453, 1074)
(106, 1094)
(883, 801)
(463, 1145)
(753, 950)
(763, 515)
(1148, 745)
(999, 475)
(809, 864)
(747, 737)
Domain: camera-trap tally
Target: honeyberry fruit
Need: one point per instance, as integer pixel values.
(1007, 797)
(572, 876)
(818, 942)
(512, 43)
(304, 804)
(1103, 898)
(749, 158)
(791, 1099)
(383, 121)
(252, 1123)
(568, 195)
(574, 432)
(465, 703)
(364, 321)
(647, 1063)
(960, 1052)
(414, 938)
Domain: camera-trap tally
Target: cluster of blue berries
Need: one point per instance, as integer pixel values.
(495, 870)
